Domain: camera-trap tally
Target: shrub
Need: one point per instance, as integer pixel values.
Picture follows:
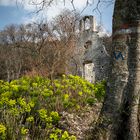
(32, 106)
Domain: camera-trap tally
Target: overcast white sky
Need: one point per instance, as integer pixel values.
(16, 13)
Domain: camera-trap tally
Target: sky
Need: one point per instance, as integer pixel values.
(22, 12)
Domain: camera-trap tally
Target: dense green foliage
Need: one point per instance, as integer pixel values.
(31, 107)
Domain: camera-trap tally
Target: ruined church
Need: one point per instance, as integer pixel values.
(95, 59)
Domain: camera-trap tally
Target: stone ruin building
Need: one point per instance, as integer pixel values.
(95, 59)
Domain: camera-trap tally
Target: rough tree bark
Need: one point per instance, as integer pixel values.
(120, 115)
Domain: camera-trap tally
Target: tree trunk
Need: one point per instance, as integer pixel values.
(120, 115)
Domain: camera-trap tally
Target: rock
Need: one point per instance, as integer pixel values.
(80, 124)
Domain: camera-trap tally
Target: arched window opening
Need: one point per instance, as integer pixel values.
(87, 24)
(88, 44)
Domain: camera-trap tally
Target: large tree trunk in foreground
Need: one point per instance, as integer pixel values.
(120, 115)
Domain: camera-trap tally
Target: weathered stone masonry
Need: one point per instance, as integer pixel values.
(96, 60)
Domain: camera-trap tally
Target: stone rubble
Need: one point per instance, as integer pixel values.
(80, 123)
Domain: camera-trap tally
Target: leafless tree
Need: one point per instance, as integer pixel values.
(12, 55)
(43, 48)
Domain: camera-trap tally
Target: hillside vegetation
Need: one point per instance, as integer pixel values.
(32, 107)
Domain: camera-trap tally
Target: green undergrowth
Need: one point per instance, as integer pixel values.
(31, 107)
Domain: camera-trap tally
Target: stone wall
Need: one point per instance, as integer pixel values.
(95, 56)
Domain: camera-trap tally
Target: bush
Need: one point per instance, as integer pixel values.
(32, 106)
